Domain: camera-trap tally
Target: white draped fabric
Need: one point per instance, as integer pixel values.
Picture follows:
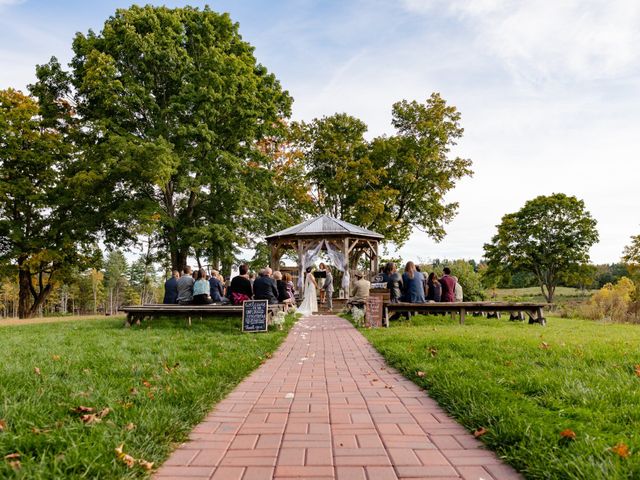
(338, 259)
(341, 262)
(307, 259)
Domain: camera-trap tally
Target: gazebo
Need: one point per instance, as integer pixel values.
(344, 243)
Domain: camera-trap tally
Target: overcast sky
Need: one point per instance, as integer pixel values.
(548, 89)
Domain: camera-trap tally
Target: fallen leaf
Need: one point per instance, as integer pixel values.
(133, 391)
(374, 380)
(480, 432)
(146, 465)
(90, 418)
(104, 412)
(129, 427)
(150, 395)
(36, 370)
(86, 370)
(81, 409)
(55, 358)
(128, 460)
(544, 346)
(433, 351)
(3, 425)
(119, 449)
(12, 456)
(146, 383)
(37, 431)
(568, 434)
(622, 450)
(637, 367)
(420, 374)
(16, 465)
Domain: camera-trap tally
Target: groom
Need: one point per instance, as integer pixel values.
(328, 287)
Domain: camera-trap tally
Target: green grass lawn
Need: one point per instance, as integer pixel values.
(533, 294)
(526, 384)
(158, 382)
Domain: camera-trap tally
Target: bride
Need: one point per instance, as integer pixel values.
(310, 301)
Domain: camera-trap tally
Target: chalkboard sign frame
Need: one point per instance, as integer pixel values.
(266, 315)
(374, 307)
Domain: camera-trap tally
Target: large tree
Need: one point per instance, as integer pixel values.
(391, 184)
(43, 229)
(549, 237)
(172, 104)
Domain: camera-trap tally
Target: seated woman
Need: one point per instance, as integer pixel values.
(434, 289)
(240, 288)
(283, 293)
(394, 282)
(201, 289)
(413, 282)
(288, 280)
(216, 287)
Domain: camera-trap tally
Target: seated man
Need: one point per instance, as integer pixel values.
(171, 288)
(360, 291)
(185, 287)
(265, 287)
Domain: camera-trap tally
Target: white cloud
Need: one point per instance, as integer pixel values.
(550, 40)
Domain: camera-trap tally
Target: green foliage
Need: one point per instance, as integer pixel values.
(172, 103)
(525, 385)
(43, 231)
(391, 184)
(631, 252)
(549, 237)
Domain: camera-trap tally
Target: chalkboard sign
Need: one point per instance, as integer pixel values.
(373, 311)
(254, 315)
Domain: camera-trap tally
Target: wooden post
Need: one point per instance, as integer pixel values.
(462, 316)
(274, 261)
(375, 258)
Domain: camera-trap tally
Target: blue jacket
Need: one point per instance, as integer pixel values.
(413, 288)
(171, 291)
(216, 289)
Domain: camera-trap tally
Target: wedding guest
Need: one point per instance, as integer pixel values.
(283, 293)
(185, 287)
(240, 288)
(201, 289)
(448, 283)
(434, 289)
(171, 288)
(265, 287)
(394, 282)
(216, 287)
(413, 281)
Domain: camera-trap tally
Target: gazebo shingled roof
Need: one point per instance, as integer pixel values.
(324, 225)
(351, 241)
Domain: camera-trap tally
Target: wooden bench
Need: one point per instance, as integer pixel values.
(533, 310)
(137, 313)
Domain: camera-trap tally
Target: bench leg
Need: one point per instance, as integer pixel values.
(385, 317)
(189, 320)
(462, 316)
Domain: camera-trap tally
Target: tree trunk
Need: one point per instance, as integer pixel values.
(178, 260)
(24, 292)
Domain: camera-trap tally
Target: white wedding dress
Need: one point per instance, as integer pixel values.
(310, 301)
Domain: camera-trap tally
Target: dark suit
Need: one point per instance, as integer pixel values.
(265, 288)
(171, 291)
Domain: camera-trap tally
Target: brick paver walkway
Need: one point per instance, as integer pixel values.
(327, 406)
